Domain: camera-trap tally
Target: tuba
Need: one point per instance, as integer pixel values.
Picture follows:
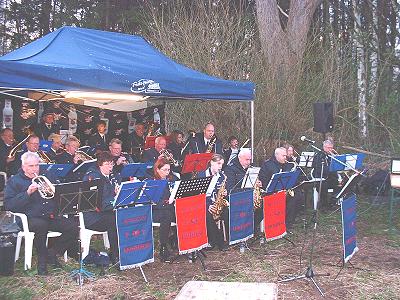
(220, 201)
(45, 188)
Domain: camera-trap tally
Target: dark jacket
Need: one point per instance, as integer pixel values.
(197, 145)
(97, 142)
(16, 199)
(235, 174)
(150, 155)
(108, 194)
(4, 151)
(319, 159)
(269, 168)
(135, 146)
(43, 132)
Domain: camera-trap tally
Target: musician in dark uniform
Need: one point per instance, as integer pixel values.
(22, 196)
(215, 235)
(152, 154)
(176, 145)
(202, 140)
(104, 219)
(120, 159)
(136, 139)
(232, 151)
(100, 139)
(331, 178)
(47, 126)
(6, 144)
(276, 164)
(69, 155)
(56, 146)
(164, 212)
(32, 145)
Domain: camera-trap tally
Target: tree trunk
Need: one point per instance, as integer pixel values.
(361, 73)
(284, 49)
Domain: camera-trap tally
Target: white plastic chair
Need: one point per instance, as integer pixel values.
(86, 235)
(29, 236)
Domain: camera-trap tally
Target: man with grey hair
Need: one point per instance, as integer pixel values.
(236, 171)
(320, 164)
(21, 195)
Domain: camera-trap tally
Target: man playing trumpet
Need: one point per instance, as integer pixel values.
(22, 196)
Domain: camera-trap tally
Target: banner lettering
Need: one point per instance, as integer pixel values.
(241, 217)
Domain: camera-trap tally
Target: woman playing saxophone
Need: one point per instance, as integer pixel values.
(216, 202)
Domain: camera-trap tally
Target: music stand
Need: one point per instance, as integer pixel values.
(73, 198)
(346, 162)
(152, 191)
(196, 162)
(306, 159)
(250, 178)
(45, 145)
(57, 170)
(128, 193)
(349, 186)
(282, 181)
(134, 170)
(189, 188)
(84, 166)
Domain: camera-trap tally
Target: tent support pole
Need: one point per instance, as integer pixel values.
(252, 130)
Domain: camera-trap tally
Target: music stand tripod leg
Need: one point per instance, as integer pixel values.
(144, 275)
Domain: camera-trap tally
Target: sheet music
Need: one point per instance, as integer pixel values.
(306, 159)
(351, 161)
(250, 178)
(395, 166)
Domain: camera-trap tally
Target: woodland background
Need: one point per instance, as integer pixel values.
(297, 52)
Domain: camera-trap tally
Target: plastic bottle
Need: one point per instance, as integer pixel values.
(156, 116)
(72, 120)
(241, 247)
(131, 123)
(7, 115)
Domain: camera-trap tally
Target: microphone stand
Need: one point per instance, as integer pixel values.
(309, 273)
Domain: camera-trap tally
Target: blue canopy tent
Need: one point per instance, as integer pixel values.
(109, 70)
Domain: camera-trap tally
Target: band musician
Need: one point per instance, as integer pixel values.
(152, 154)
(32, 146)
(331, 178)
(136, 139)
(22, 196)
(232, 151)
(276, 164)
(68, 156)
(120, 159)
(6, 144)
(47, 126)
(104, 219)
(56, 147)
(215, 235)
(100, 139)
(206, 141)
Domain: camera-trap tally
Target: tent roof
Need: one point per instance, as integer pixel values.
(80, 59)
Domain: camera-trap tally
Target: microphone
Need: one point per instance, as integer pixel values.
(304, 139)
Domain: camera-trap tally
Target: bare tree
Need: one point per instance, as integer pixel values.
(284, 47)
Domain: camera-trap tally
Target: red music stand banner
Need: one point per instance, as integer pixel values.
(196, 162)
(191, 223)
(275, 216)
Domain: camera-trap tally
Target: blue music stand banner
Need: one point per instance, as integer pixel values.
(241, 217)
(45, 145)
(348, 161)
(128, 193)
(134, 170)
(349, 216)
(135, 236)
(153, 191)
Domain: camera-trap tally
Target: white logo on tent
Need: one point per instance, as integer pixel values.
(145, 86)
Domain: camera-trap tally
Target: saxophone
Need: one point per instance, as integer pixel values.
(211, 144)
(220, 201)
(257, 197)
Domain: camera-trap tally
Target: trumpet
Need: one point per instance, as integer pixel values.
(45, 188)
(169, 157)
(44, 157)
